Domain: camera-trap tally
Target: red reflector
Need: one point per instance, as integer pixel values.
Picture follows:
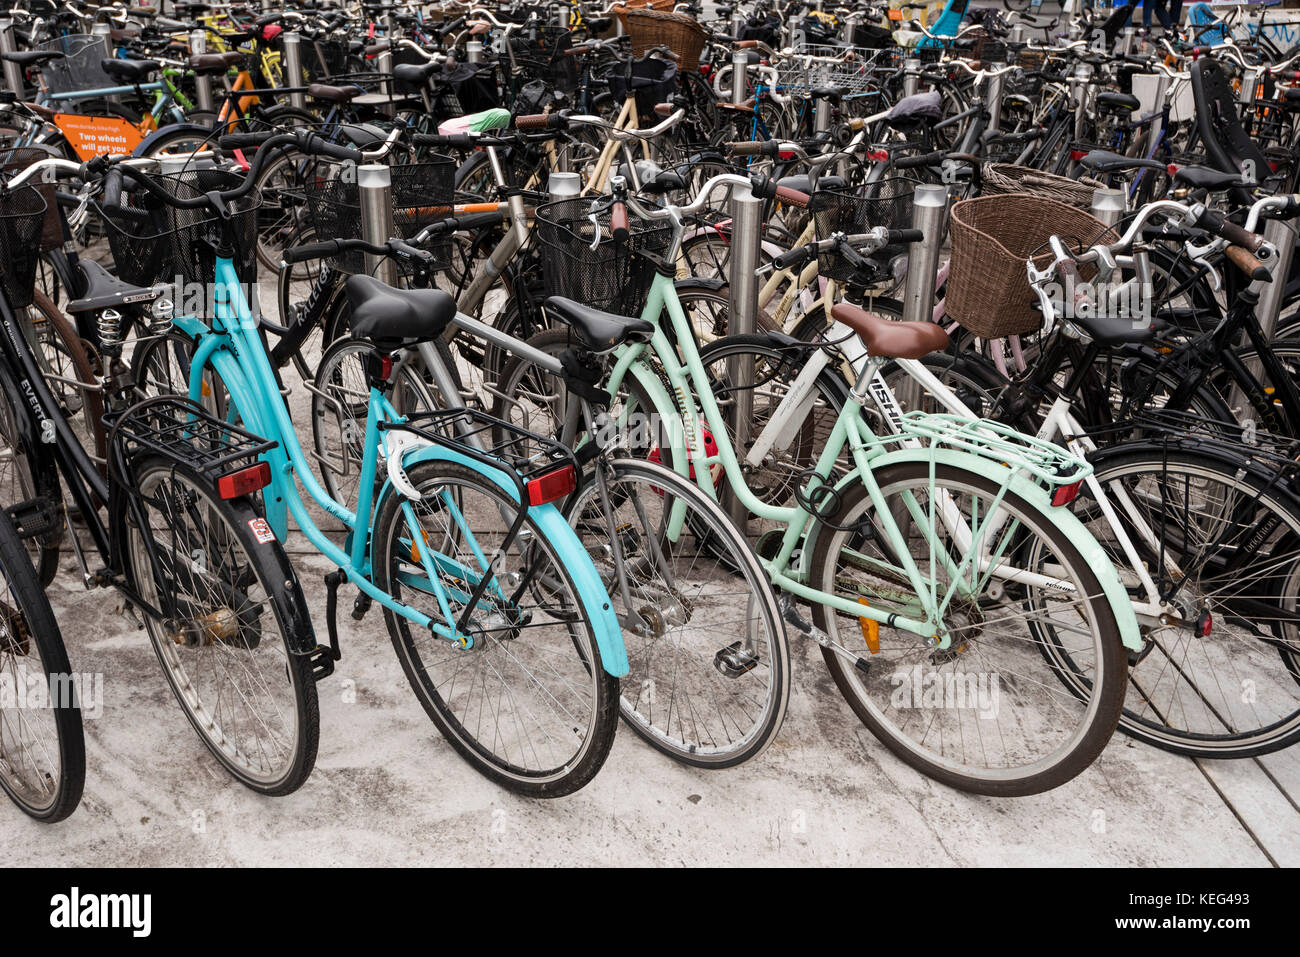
(1066, 494)
(244, 481)
(1077, 155)
(878, 156)
(386, 368)
(1207, 624)
(786, 155)
(1172, 168)
(552, 485)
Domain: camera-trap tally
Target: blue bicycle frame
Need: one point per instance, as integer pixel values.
(232, 347)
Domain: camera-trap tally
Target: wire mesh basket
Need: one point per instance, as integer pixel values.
(423, 194)
(812, 65)
(14, 160)
(22, 217)
(614, 276)
(152, 241)
(80, 68)
(326, 57)
(850, 210)
(541, 53)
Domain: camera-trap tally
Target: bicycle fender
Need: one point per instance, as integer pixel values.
(568, 547)
(1082, 539)
(142, 148)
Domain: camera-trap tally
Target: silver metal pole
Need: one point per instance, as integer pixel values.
(293, 68)
(1017, 34)
(384, 65)
(746, 243)
(911, 82)
(993, 98)
(739, 67)
(1126, 38)
(1283, 236)
(929, 207)
(105, 33)
(1079, 93)
(1162, 90)
(13, 72)
(474, 51)
(1249, 80)
(737, 20)
(202, 84)
(1108, 205)
(375, 186)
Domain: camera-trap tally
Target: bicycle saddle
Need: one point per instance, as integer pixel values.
(387, 315)
(596, 330)
(800, 183)
(1114, 102)
(207, 64)
(129, 71)
(417, 74)
(1203, 177)
(106, 291)
(334, 94)
(25, 58)
(1104, 161)
(889, 338)
(1114, 331)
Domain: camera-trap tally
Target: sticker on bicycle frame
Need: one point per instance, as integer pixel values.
(261, 531)
(93, 136)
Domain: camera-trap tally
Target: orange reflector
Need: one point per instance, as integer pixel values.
(245, 481)
(415, 549)
(870, 630)
(204, 389)
(1066, 494)
(552, 485)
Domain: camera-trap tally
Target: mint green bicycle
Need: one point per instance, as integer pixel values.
(947, 582)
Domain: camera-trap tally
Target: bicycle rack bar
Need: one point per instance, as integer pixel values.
(293, 70)
(911, 82)
(746, 242)
(202, 84)
(375, 186)
(994, 88)
(1108, 205)
(13, 72)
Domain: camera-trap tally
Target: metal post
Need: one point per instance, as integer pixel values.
(911, 82)
(1079, 93)
(739, 67)
(13, 72)
(1126, 38)
(929, 206)
(474, 51)
(1162, 90)
(822, 115)
(1249, 80)
(202, 84)
(1283, 236)
(293, 68)
(1017, 34)
(746, 242)
(1108, 205)
(105, 33)
(384, 66)
(375, 186)
(737, 21)
(993, 97)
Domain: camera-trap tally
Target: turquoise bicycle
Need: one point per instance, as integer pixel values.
(498, 616)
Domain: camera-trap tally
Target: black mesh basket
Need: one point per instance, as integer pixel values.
(653, 82)
(612, 277)
(423, 194)
(541, 54)
(22, 217)
(152, 241)
(851, 210)
(15, 159)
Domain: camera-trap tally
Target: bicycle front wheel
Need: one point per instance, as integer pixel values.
(42, 750)
(987, 714)
(528, 703)
(710, 665)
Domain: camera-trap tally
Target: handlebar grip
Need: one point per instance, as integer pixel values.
(618, 223)
(1240, 237)
(793, 197)
(311, 251)
(113, 188)
(754, 148)
(792, 258)
(540, 121)
(459, 141)
(898, 236)
(1247, 263)
(239, 141)
(745, 44)
(317, 144)
(925, 159)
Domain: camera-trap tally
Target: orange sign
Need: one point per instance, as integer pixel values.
(93, 136)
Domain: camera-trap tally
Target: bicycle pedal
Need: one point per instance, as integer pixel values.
(34, 517)
(735, 660)
(360, 606)
(322, 662)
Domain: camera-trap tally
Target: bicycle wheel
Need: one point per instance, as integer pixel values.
(227, 653)
(42, 749)
(528, 704)
(986, 715)
(710, 665)
(28, 471)
(1235, 537)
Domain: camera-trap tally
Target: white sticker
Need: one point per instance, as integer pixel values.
(261, 531)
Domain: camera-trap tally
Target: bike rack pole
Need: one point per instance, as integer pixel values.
(911, 82)
(384, 66)
(202, 84)
(13, 72)
(739, 67)
(1108, 205)
(1249, 80)
(105, 33)
(1162, 90)
(929, 209)
(375, 186)
(1283, 237)
(1079, 93)
(737, 20)
(995, 87)
(293, 69)
(746, 243)
(1017, 34)
(474, 51)
(1126, 38)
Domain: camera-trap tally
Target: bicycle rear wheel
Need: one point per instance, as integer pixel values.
(710, 665)
(227, 653)
(42, 749)
(528, 704)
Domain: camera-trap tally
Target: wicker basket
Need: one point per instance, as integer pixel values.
(992, 239)
(676, 31)
(999, 178)
(621, 9)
